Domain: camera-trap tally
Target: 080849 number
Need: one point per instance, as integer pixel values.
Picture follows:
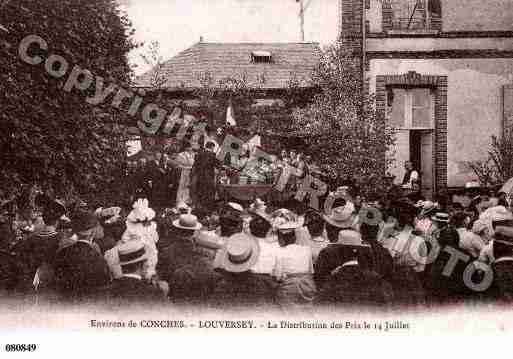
(20, 347)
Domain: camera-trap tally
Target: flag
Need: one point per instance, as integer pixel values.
(229, 116)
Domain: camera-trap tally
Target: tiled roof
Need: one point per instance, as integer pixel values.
(222, 60)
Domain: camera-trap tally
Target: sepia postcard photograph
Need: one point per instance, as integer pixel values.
(222, 174)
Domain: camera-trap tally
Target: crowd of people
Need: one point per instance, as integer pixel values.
(384, 252)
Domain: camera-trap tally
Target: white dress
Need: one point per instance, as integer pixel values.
(185, 162)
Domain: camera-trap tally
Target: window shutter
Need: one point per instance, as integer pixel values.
(507, 109)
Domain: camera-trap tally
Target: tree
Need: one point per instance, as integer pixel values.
(54, 137)
(215, 97)
(154, 59)
(497, 168)
(340, 127)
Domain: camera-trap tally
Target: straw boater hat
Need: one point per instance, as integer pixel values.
(187, 221)
(427, 207)
(288, 227)
(351, 239)
(132, 252)
(341, 217)
(235, 206)
(472, 185)
(239, 253)
(441, 217)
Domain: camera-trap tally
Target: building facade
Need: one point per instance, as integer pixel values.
(442, 74)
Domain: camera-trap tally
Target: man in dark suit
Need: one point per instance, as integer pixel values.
(131, 288)
(339, 225)
(203, 178)
(80, 269)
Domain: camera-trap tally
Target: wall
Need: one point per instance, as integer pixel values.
(460, 15)
(474, 104)
(477, 15)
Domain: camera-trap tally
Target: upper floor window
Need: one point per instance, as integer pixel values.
(412, 15)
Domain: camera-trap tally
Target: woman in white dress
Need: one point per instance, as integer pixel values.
(185, 161)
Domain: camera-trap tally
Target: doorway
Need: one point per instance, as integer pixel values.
(421, 156)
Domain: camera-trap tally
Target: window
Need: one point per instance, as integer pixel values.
(261, 57)
(410, 108)
(412, 14)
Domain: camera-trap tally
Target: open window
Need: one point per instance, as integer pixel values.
(412, 15)
(261, 57)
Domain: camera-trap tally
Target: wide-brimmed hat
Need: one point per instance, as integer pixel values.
(131, 252)
(351, 238)
(239, 253)
(288, 226)
(441, 217)
(472, 184)
(141, 212)
(208, 240)
(496, 214)
(235, 206)
(187, 221)
(427, 207)
(341, 217)
(108, 215)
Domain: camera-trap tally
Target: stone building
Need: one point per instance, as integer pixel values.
(441, 71)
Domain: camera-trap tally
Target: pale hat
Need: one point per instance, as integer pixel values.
(131, 252)
(187, 221)
(441, 217)
(108, 215)
(496, 214)
(286, 214)
(235, 206)
(239, 253)
(341, 217)
(472, 184)
(288, 226)
(426, 207)
(141, 212)
(351, 238)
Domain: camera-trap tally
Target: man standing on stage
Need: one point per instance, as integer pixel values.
(203, 178)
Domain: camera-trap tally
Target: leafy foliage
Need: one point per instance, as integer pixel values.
(340, 126)
(215, 97)
(497, 168)
(49, 136)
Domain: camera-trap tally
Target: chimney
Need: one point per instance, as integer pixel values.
(201, 39)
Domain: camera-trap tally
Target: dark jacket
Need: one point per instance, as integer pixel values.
(244, 290)
(128, 290)
(203, 182)
(187, 269)
(331, 257)
(80, 271)
(32, 252)
(353, 284)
